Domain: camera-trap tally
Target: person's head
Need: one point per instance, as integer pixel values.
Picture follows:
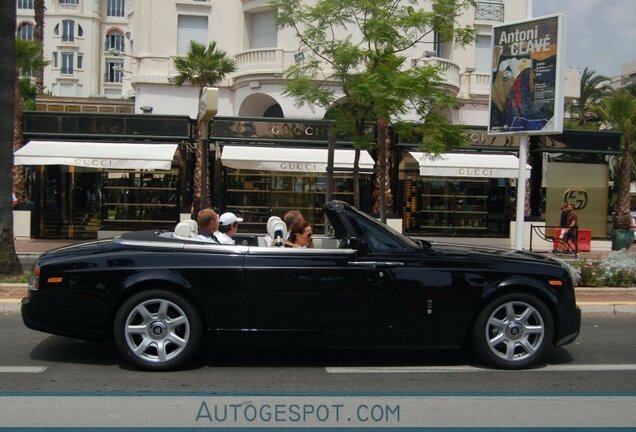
(292, 218)
(571, 207)
(564, 206)
(228, 223)
(301, 234)
(208, 221)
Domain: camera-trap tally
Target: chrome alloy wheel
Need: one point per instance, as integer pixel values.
(157, 330)
(515, 331)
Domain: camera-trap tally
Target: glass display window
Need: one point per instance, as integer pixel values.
(461, 207)
(257, 195)
(139, 200)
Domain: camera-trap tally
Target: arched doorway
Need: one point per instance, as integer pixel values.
(260, 105)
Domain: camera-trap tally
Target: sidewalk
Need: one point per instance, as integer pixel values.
(602, 299)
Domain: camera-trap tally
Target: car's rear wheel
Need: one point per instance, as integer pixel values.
(514, 331)
(157, 330)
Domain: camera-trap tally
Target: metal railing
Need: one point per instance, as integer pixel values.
(489, 11)
(541, 231)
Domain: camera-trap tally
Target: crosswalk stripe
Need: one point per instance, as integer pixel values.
(22, 369)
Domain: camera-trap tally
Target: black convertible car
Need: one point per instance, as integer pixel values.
(159, 294)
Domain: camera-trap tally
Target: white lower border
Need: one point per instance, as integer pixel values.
(507, 411)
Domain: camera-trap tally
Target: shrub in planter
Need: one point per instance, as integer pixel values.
(617, 269)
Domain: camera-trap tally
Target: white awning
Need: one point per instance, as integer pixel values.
(97, 154)
(290, 159)
(469, 165)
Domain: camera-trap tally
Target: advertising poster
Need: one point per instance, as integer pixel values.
(526, 82)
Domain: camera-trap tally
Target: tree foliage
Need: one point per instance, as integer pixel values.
(619, 112)
(28, 61)
(358, 66)
(592, 88)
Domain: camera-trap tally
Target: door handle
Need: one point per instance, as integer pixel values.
(366, 264)
(389, 264)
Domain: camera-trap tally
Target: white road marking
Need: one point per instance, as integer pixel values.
(462, 369)
(22, 369)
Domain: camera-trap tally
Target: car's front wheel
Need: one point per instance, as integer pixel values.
(157, 330)
(514, 331)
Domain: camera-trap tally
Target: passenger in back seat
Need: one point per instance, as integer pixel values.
(208, 222)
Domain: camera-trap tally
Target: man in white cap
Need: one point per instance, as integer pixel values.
(228, 226)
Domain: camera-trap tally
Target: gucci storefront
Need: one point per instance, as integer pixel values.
(472, 193)
(270, 166)
(93, 175)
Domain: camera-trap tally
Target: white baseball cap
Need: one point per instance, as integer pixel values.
(229, 218)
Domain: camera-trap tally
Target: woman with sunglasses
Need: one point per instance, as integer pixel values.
(300, 236)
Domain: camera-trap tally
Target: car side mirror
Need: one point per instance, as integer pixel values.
(358, 244)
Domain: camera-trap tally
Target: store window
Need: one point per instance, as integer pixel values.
(257, 195)
(456, 207)
(139, 200)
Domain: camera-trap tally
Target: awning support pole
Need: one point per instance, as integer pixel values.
(521, 191)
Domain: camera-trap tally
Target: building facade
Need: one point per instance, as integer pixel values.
(270, 156)
(84, 41)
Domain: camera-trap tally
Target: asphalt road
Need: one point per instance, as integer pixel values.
(603, 359)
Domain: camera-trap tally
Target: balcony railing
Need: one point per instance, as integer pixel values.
(478, 84)
(448, 71)
(261, 60)
(489, 11)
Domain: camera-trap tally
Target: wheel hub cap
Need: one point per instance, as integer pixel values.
(158, 329)
(514, 330)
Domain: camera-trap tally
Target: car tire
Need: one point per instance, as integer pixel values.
(514, 331)
(157, 330)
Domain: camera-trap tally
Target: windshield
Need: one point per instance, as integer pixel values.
(382, 237)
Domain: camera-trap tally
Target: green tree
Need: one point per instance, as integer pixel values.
(361, 48)
(9, 263)
(592, 88)
(619, 112)
(28, 58)
(202, 66)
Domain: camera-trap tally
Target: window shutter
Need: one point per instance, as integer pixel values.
(263, 30)
(191, 28)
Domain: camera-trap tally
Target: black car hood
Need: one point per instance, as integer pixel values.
(486, 252)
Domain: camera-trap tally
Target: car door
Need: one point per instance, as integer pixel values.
(317, 289)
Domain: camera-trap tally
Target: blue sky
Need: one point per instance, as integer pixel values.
(601, 34)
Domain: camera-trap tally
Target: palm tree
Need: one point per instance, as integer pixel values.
(592, 88)
(202, 66)
(39, 9)
(9, 263)
(619, 111)
(28, 57)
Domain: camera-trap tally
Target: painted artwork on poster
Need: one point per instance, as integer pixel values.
(525, 93)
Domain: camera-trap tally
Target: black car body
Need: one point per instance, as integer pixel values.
(365, 285)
